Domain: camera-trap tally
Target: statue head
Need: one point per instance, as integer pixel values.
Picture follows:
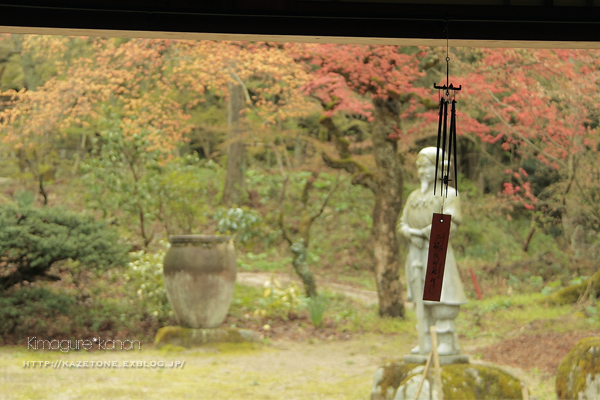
(426, 164)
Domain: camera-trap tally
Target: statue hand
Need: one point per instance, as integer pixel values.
(452, 228)
(415, 232)
(417, 241)
(426, 232)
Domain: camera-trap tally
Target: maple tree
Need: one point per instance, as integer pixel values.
(542, 108)
(376, 83)
(268, 75)
(151, 92)
(122, 80)
(260, 81)
(125, 78)
(27, 61)
(118, 86)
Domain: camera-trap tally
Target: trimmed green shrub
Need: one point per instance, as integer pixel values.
(33, 239)
(20, 313)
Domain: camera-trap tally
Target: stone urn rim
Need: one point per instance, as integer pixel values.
(174, 239)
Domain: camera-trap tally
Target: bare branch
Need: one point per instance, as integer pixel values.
(280, 219)
(338, 181)
(307, 187)
(360, 174)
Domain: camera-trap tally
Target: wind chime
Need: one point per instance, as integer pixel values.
(446, 147)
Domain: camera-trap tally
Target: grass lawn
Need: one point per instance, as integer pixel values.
(283, 370)
(278, 369)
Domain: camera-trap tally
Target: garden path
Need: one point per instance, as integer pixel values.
(368, 297)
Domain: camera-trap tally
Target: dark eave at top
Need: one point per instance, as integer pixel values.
(501, 20)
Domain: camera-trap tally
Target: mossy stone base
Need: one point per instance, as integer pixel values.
(188, 337)
(399, 381)
(578, 375)
(388, 378)
(589, 289)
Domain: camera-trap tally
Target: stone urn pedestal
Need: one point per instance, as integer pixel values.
(199, 275)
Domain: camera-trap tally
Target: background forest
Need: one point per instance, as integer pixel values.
(306, 154)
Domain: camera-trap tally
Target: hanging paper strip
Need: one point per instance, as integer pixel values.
(436, 261)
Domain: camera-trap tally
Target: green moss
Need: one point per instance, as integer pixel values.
(170, 335)
(583, 361)
(460, 381)
(235, 336)
(187, 337)
(238, 348)
(594, 285)
(394, 373)
(568, 295)
(341, 163)
(571, 294)
(483, 382)
(343, 140)
(169, 348)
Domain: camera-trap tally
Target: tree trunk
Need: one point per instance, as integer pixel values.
(235, 179)
(388, 204)
(387, 185)
(301, 268)
(529, 236)
(299, 247)
(43, 190)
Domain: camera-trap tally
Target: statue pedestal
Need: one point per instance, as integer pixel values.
(444, 360)
(399, 380)
(189, 337)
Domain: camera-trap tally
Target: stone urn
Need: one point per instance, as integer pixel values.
(199, 274)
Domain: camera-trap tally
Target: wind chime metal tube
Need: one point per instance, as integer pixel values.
(437, 155)
(450, 140)
(448, 149)
(445, 133)
(453, 129)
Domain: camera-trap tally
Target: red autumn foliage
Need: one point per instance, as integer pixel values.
(539, 104)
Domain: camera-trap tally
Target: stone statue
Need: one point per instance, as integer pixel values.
(415, 225)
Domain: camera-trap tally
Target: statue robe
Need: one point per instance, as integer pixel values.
(417, 214)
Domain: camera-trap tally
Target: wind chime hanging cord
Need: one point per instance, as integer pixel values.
(445, 134)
